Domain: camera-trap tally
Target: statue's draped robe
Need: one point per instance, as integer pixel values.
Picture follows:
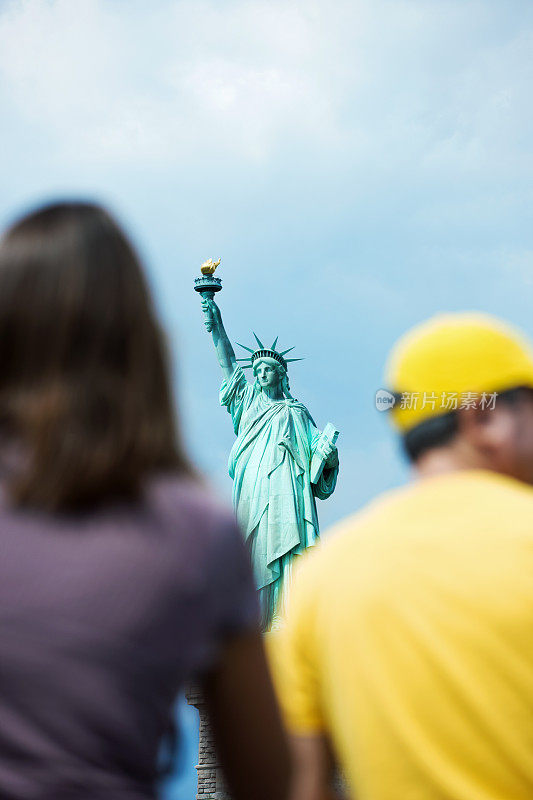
(272, 491)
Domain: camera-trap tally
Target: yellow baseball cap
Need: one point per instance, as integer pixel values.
(454, 355)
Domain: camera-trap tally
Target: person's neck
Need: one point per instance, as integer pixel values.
(460, 457)
(273, 392)
(442, 460)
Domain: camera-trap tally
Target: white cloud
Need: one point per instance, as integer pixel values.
(171, 78)
(438, 84)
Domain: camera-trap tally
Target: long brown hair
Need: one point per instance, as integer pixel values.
(84, 379)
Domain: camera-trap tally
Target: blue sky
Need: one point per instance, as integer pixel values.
(358, 165)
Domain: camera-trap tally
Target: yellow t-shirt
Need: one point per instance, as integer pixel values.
(409, 641)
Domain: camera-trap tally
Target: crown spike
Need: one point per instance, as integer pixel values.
(244, 347)
(258, 340)
(273, 346)
(287, 351)
(288, 360)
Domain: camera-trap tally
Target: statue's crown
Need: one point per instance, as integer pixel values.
(266, 352)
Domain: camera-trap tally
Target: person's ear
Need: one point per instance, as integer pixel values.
(487, 431)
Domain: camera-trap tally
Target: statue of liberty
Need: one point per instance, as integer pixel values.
(280, 461)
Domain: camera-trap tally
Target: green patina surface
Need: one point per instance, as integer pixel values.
(280, 462)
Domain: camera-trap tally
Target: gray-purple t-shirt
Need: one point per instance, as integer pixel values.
(103, 618)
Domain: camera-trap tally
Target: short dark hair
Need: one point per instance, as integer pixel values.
(84, 379)
(441, 430)
(433, 432)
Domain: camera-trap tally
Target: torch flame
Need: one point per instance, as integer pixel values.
(209, 266)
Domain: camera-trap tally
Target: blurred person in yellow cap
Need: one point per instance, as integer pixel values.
(406, 656)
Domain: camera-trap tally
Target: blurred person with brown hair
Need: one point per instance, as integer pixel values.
(407, 655)
(120, 578)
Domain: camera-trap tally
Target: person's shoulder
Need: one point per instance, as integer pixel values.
(344, 543)
(503, 495)
(354, 526)
(189, 508)
(505, 485)
(395, 516)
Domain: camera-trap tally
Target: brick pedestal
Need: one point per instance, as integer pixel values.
(210, 778)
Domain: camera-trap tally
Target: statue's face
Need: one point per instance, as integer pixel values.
(267, 375)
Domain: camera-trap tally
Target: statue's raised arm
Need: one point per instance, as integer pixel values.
(224, 349)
